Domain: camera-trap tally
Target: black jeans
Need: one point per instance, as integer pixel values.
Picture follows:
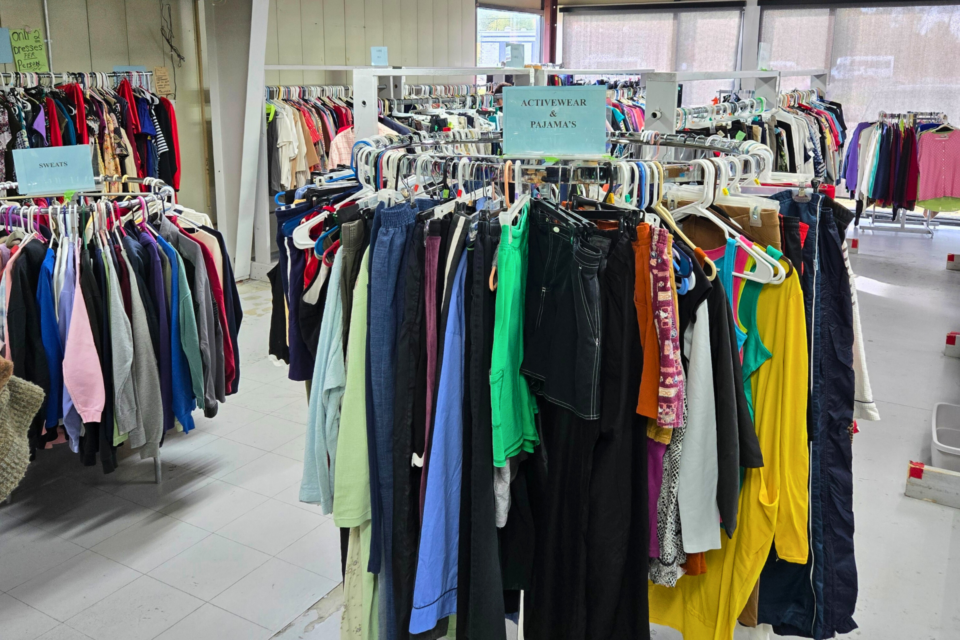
(562, 307)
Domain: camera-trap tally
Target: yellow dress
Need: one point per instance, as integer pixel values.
(773, 499)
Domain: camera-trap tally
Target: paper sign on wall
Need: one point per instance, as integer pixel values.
(6, 52)
(54, 169)
(161, 81)
(378, 56)
(515, 56)
(554, 120)
(29, 52)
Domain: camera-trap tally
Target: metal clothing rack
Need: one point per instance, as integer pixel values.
(541, 75)
(662, 91)
(85, 78)
(927, 225)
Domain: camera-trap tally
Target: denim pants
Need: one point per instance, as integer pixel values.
(389, 247)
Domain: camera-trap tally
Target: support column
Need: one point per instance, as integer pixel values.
(750, 42)
(365, 105)
(661, 113)
(252, 123)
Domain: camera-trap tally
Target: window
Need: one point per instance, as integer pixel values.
(880, 58)
(665, 41)
(497, 29)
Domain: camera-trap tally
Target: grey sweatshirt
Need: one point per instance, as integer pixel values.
(121, 340)
(207, 324)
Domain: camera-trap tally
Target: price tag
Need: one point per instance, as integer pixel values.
(755, 220)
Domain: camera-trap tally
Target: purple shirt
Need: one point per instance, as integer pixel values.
(71, 419)
(852, 164)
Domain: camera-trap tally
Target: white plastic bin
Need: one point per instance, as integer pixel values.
(945, 448)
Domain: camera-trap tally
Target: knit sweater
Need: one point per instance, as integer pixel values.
(19, 402)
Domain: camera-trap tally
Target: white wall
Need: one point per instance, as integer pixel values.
(95, 35)
(417, 33)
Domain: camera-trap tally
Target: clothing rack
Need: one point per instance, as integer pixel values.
(142, 79)
(540, 75)
(927, 225)
(367, 79)
(662, 90)
(720, 112)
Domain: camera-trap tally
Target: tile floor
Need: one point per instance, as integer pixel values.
(223, 548)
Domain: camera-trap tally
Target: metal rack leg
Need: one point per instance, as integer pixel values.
(156, 468)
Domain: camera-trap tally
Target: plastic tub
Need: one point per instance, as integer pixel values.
(945, 448)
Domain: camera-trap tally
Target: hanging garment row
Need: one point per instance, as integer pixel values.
(903, 161)
(133, 132)
(806, 132)
(563, 397)
(310, 128)
(125, 313)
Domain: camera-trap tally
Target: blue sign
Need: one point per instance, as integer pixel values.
(378, 56)
(54, 169)
(555, 121)
(6, 51)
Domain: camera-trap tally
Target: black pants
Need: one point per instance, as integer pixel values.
(480, 607)
(408, 411)
(590, 564)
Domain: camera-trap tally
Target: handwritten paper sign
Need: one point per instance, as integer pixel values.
(161, 81)
(554, 121)
(54, 169)
(29, 52)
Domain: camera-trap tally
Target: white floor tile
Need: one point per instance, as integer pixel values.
(219, 458)
(151, 542)
(264, 370)
(209, 567)
(63, 632)
(176, 444)
(293, 449)
(214, 505)
(229, 418)
(274, 594)
(270, 397)
(75, 585)
(27, 551)
(21, 622)
(45, 503)
(306, 627)
(268, 475)
(296, 411)
(271, 527)
(291, 496)
(210, 622)
(176, 482)
(268, 433)
(93, 522)
(318, 551)
(146, 609)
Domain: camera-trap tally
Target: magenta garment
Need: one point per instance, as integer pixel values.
(655, 451)
(670, 400)
(939, 156)
(431, 263)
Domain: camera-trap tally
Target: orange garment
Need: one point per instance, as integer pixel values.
(696, 564)
(647, 405)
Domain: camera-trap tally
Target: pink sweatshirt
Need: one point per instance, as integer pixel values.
(81, 365)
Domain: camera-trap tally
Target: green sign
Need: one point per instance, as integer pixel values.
(29, 51)
(555, 121)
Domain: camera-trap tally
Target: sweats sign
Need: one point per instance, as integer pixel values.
(556, 121)
(54, 169)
